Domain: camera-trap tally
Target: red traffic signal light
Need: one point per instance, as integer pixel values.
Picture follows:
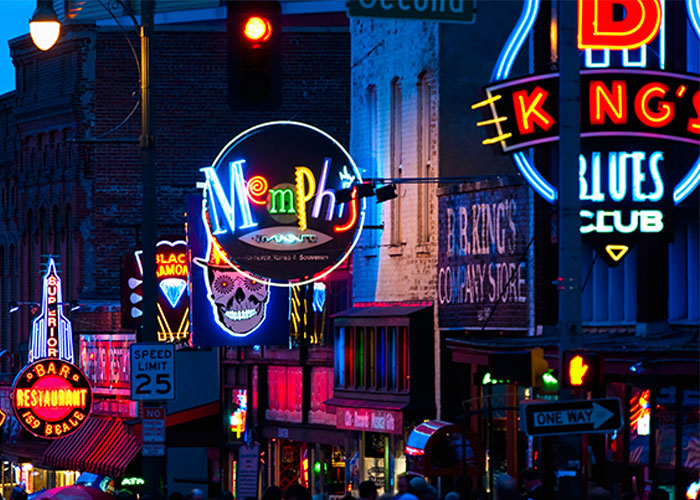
(254, 57)
(257, 29)
(582, 369)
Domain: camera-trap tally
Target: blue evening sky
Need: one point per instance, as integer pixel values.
(14, 21)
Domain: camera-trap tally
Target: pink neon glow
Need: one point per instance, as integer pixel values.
(421, 303)
(414, 451)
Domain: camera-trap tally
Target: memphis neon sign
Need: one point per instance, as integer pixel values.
(51, 398)
(271, 207)
(52, 333)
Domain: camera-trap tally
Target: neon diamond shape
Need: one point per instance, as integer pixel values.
(173, 288)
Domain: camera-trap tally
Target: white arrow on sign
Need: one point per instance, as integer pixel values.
(596, 415)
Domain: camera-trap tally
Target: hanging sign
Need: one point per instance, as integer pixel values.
(52, 333)
(228, 308)
(51, 398)
(270, 205)
(173, 291)
(640, 125)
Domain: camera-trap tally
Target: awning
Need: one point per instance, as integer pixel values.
(102, 445)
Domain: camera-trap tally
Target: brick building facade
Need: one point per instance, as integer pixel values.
(71, 162)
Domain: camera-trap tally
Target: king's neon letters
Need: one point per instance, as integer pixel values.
(612, 104)
(230, 209)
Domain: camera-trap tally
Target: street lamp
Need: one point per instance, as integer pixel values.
(44, 26)
(152, 466)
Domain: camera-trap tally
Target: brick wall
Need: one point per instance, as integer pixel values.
(382, 271)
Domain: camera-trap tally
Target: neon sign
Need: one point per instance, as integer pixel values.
(614, 102)
(52, 333)
(172, 273)
(51, 398)
(227, 307)
(272, 211)
(597, 29)
(238, 416)
(629, 178)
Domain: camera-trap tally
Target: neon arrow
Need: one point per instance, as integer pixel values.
(616, 252)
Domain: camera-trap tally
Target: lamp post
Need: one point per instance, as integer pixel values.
(45, 29)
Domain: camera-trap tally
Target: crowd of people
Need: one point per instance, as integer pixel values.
(417, 488)
(409, 488)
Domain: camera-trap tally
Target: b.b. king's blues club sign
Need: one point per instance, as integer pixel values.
(640, 122)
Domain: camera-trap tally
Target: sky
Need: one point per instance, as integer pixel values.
(14, 21)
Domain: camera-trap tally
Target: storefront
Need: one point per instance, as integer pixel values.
(383, 386)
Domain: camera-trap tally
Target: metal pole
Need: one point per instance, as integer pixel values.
(152, 466)
(569, 327)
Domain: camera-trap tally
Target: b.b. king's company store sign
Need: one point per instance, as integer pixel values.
(640, 125)
(482, 264)
(270, 204)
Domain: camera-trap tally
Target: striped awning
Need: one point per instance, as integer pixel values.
(102, 446)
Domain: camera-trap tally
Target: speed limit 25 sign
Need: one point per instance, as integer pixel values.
(152, 372)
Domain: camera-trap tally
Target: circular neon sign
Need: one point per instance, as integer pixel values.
(51, 398)
(271, 204)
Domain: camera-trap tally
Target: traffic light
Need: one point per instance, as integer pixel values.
(254, 59)
(582, 369)
(521, 367)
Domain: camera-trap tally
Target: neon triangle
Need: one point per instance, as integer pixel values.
(616, 252)
(173, 288)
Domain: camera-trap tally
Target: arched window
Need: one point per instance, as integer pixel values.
(374, 170)
(426, 121)
(396, 160)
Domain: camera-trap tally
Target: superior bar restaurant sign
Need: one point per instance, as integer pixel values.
(482, 272)
(51, 398)
(640, 125)
(270, 206)
(453, 11)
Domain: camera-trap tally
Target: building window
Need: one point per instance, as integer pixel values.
(374, 358)
(321, 391)
(396, 158)
(372, 217)
(284, 385)
(426, 135)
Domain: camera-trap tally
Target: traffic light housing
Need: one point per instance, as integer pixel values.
(582, 369)
(521, 367)
(254, 31)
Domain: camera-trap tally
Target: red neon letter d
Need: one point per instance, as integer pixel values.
(598, 30)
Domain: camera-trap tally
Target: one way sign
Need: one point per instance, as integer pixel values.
(571, 417)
